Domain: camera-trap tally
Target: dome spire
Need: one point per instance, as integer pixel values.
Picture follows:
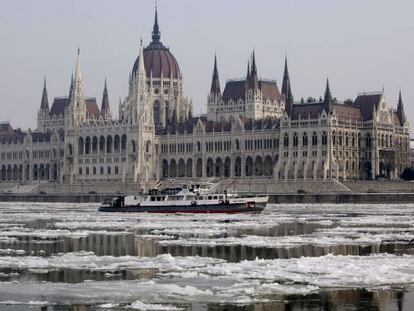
(156, 34)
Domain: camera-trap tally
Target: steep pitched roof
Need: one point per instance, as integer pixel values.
(58, 106)
(366, 103)
(305, 110)
(236, 89)
(60, 103)
(347, 112)
(92, 109)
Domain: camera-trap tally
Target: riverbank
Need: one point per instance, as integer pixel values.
(338, 198)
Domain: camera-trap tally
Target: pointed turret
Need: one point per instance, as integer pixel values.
(77, 103)
(327, 101)
(248, 70)
(400, 110)
(286, 90)
(105, 108)
(253, 81)
(215, 83)
(44, 105)
(141, 66)
(156, 34)
(78, 74)
(70, 88)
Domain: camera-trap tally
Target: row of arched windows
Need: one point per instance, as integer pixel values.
(218, 167)
(102, 145)
(304, 141)
(39, 172)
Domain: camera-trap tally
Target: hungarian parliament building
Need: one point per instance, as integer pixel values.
(252, 129)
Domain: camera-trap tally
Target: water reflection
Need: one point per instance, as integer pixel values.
(336, 300)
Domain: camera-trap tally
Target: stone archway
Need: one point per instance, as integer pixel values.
(210, 167)
(227, 167)
(249, 166)
(181, 168)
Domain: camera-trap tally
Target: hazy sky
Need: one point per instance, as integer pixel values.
(361, 45)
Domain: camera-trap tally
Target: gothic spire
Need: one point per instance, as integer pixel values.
(78, 75)
(254, 69)
(156, 34)
(286, 90)
(141, 66)
(253, 81)
(328, 98)
(215, 83)
(400, 110)
(105, 108)
(44, 105)
(248, 70)
(70, 88)
(328, 94)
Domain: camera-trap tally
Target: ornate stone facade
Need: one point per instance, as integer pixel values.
(251, 129)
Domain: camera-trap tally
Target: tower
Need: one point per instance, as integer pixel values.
(287, 91)
(254, 103)
(76, 110)
(327, 101)
(400, 110)
(105, 108)
(214, 98)
(43, 112)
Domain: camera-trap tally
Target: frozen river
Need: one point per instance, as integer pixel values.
(291, 257)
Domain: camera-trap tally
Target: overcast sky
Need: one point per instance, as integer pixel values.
(360, 45)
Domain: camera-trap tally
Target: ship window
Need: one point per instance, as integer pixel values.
(215, 197)
(209, 197)
(152, 198)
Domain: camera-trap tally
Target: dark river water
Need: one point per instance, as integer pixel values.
(290, 257)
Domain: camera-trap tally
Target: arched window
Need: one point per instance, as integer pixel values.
(148, 146)
(109, 144)
(198, 146)
(101, 144)
(368, 140)
(116, 143)
(314, 139)
(81, 145)
(295, 139)
(305, 139)
(133, 146)
(87, 145)
(157, 112)
(286, 140)
(94, 144)
(123, 142)
(324, 138)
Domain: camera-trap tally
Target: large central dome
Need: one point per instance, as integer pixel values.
(158, 59)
